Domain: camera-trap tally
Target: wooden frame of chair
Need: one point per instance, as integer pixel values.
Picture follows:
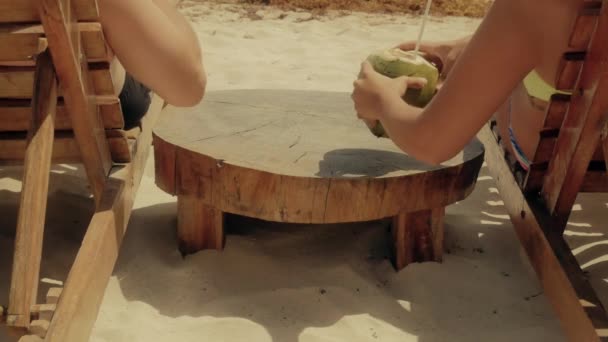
(71, 61)
(569, 158)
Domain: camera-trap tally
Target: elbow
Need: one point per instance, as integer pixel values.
(431, 154)
(191, 89)
(197, 90)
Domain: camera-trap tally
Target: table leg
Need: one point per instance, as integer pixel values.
(199, 226)
(417, 237)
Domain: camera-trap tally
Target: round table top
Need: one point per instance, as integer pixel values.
(304, 135)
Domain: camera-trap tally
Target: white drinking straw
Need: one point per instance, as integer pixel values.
(424, 19)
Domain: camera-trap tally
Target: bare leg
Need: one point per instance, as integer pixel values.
(156, 45)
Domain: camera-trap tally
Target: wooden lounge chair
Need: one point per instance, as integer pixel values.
(570, 158)
(57, 104)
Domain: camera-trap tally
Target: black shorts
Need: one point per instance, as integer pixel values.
(134, 101)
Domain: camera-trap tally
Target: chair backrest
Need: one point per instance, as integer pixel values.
(22, 38)
(571, 154)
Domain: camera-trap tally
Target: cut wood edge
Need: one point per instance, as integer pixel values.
(43, 311)
(53, 294)
(39, 328)
(184, 172)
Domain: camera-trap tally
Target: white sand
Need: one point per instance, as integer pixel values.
(297, 283)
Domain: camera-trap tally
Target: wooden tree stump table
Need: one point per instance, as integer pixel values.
(301, 157)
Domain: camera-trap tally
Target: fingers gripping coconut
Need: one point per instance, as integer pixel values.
(395, 63)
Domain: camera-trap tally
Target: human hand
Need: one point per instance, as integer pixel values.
(374, 92)
(435, 53)
(442, 54)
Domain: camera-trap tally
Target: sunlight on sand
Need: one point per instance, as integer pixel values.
(595, 261)
(69, 167)
(495, 203)
(51, 281)
(579, 224)
(491, 223)
(373, 329)
(583, 248)
(571, 233)
(496, 216)
(10, 184)
(406, 305)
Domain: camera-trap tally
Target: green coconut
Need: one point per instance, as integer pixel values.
(395, 63)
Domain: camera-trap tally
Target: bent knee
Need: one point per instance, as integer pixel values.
(190, 89)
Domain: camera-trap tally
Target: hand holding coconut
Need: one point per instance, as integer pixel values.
(387, 79)
(406, 66)
(374, 91)
(442, 54)
(485, 78)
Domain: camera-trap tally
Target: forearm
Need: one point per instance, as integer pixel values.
(403, 125)
(156, 45)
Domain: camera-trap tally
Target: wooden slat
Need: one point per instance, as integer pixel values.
(39, 328)
(535, 177)
(15, 114)
(53, 294)
(25, 11)
(22, 47)
(43, 311)
(12, 150)
(23, 40)
(578, 308)
(580, 133)
(64, 44)
(546, 146)
(84, 288)
(101, 78)
(569, 70)
(119, 146)
(65, 148)
(585, 25)
(32, 207)
(554, 116)
(16, 82)
(544, 150)
(594, 181)
(556, 111)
